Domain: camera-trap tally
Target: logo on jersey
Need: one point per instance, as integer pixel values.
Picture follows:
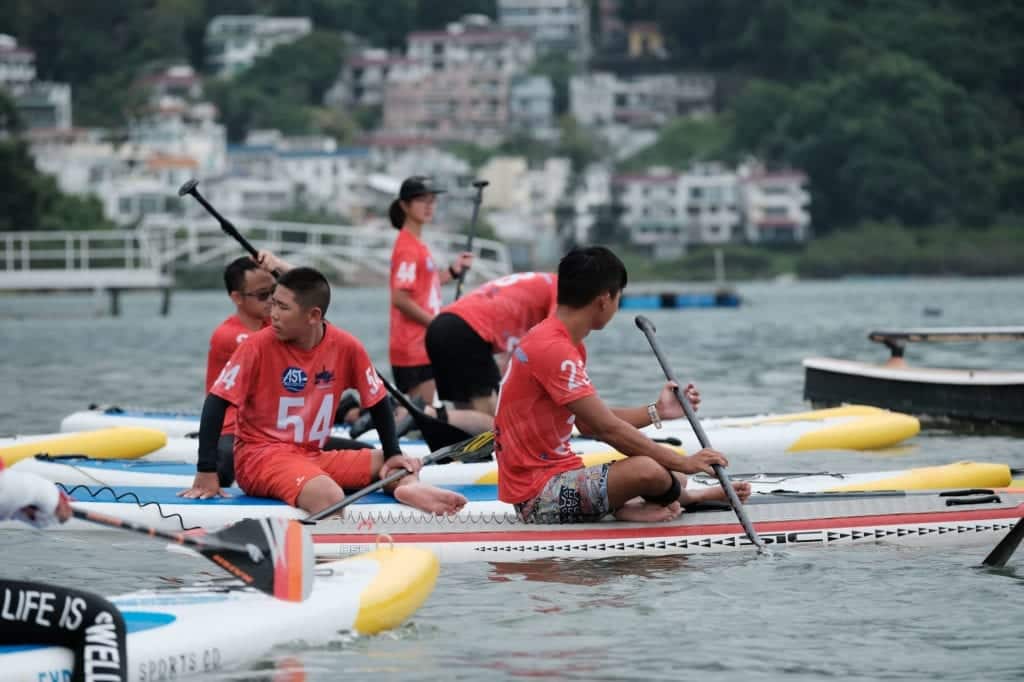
(294, 379)
(324, 379)
(241, 337)
(520, 354)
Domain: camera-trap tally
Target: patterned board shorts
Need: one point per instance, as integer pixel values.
(576, 496)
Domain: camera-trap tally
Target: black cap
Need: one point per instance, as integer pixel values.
(417, 186)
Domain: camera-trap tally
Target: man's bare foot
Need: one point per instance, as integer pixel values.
(429, 498)
(647, 512)
(716, 493)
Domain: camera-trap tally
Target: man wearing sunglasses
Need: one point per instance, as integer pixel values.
(250, 288)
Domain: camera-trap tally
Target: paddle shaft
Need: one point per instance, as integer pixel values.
(191, 188)
(178, 538)
(647, 327)
(477, 200)
(373, 487)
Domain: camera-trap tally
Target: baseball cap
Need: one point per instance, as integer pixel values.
(417, 186)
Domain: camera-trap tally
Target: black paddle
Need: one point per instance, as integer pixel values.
(477, 446)
(273, 555)
(436, 433)
(477, 200)
(647, 327)
(998, 557)
(191, 187)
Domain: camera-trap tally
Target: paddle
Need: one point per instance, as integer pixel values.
(998, 557)
(438, 434)
(190, 187)
(647, 327)
(477, 200)
(273, 555)
(477, 446)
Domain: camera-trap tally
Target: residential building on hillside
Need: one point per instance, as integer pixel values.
(466, 103)
(600, 98)
(554, 25)
(711, 196)
(472, 42)
(651, 211)
(531, 106)
(234, 42)
(17, 64)
(775, 205)
(365, 76)
(43, 104)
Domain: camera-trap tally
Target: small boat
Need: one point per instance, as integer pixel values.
(671, 300)
(179, 632)
(959, 394)
(851, 427)
(487, 529)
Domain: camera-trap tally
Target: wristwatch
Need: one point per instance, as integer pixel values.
(652, 412)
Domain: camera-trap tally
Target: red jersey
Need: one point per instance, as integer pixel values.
(286, 394)
(532, 425)
(412, 270)
(223, 342)
(503, 310)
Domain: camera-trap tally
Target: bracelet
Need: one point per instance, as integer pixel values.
(451, 271)
(652, 412)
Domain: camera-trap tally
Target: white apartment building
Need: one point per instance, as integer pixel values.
(711, 196)
(234, 42)
(365, 76)
(593, 191)
(43, 104)
(531, 105)
(175, 128)
(17, 64)
(554, 25)
(600, 99)
(472, 42)
(775, 206)
(652, 211)
(247, 197)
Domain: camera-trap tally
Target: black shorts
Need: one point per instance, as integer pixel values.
(464, 366)
(407, 378)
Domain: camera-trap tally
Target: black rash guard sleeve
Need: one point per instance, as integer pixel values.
(210, 424)
(384, 422)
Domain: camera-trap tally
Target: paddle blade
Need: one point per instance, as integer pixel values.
(279, 560)
(476, 449)
(998, 557)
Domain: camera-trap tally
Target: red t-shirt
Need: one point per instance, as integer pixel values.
(412, 270)
(532, 425)
(286, 394)
(223, 342)
(503, 310)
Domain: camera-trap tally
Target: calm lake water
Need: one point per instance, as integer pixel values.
(852, 613)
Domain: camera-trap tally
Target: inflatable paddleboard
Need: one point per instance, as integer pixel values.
(110, 442)
(181, 632)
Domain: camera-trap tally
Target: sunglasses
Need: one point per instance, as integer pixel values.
(261, 295)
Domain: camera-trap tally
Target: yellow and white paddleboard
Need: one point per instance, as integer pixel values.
(122, 442)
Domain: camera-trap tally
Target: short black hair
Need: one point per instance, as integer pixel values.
(309, 286)
(234, 273)
(586, 273)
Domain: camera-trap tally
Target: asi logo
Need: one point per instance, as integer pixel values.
(294, 379)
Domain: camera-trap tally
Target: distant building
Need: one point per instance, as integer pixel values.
(364, 77)
(17, 64)
(531, 105)
(710, 194)
(473, 42)
(554, 25)
(234, 42)
(600, 98)
(651, 211)
(466, 103)
(775, 205)
(42, 104)
(180, 81)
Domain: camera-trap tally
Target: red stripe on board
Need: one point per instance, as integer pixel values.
(658, 531)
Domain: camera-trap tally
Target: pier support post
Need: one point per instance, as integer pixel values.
(115, 301)
(165, 302)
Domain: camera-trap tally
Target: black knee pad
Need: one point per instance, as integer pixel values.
(669, 496)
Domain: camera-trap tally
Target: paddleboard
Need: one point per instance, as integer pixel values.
(181, 632)
(110, 442)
